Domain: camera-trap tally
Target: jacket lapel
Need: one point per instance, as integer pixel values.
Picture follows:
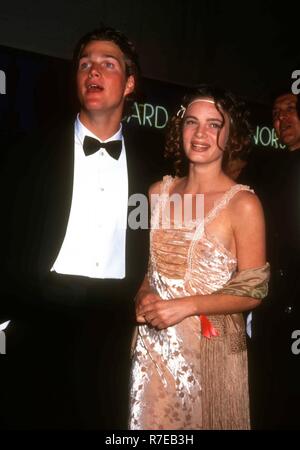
(57, 174)
(136, 239)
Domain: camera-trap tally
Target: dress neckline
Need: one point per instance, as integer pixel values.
(201, 223)
(168, 180)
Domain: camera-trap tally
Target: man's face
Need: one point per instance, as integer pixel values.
(102, 84)
(286, 121)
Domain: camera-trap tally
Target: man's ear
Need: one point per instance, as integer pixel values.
(130, 85)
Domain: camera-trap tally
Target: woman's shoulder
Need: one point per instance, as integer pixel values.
(241, 190)
(244, 201)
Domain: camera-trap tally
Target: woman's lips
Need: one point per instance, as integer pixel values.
(200, 147)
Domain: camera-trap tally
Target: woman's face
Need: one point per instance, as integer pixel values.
(204, 133)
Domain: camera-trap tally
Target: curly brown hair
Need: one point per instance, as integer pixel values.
(239, 132)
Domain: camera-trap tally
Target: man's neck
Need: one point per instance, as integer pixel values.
(102, 125)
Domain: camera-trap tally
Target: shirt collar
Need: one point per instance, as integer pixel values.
(81, 131)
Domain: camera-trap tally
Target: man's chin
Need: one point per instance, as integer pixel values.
(93, 107)
(287, 139)
(294, 146)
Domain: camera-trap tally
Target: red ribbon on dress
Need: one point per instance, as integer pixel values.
(207, 328)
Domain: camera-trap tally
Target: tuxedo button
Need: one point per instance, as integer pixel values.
(288, 310)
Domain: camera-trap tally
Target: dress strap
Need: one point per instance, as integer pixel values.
(224, 200)
(165, 184)
(213, 213)
(160, 202)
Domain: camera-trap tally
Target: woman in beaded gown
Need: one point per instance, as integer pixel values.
(206, 267)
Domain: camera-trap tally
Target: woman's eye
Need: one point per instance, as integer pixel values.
(189, 122)
(215, 125)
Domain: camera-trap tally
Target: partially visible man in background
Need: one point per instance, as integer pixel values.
(274, 367)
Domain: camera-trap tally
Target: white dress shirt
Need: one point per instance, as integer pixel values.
(94, 243)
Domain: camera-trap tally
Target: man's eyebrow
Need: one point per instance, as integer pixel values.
(87, 55)
(83, 55)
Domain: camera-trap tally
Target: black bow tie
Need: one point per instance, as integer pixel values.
(91, 145)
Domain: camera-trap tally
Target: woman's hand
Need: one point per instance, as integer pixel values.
(162, 314)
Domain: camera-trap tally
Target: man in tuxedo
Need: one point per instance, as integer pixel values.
(71, 265)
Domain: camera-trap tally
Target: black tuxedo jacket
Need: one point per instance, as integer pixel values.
(72, 340)
(36, 189)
